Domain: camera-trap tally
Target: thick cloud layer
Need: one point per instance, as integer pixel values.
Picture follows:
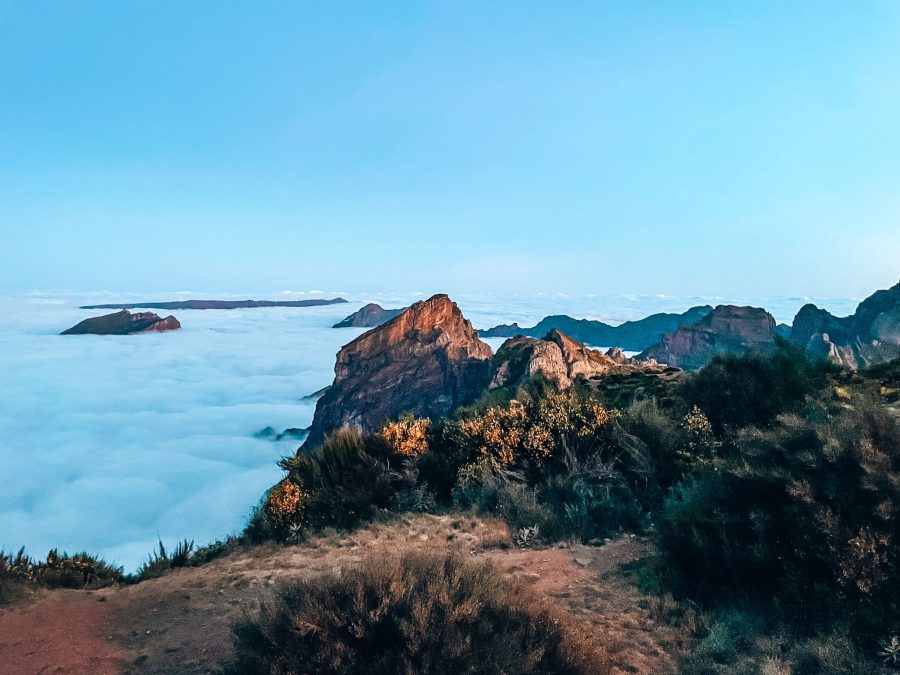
(108, 443)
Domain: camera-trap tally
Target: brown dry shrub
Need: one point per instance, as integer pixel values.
(410, 614)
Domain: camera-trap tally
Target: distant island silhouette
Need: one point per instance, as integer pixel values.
(217, 304)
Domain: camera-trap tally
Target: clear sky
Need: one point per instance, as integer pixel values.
(714, 148)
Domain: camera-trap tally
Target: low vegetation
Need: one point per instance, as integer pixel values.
(413, 613)
(20, 572)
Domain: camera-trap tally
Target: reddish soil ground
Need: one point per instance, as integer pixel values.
(181, 623)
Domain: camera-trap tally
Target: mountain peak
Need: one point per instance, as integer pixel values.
(425, 361)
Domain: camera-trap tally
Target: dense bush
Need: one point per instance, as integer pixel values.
(805, 513)
(342, 483)
(411, 614)
(551, 460)
(535, 436)
(753, 388)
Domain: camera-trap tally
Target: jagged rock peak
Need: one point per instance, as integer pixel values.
(425, 361)
(869, 336)
(556, 357)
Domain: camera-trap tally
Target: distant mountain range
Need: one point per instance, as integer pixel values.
(218, 304)
(630, 336)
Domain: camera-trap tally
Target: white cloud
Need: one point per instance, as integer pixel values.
(109, 442)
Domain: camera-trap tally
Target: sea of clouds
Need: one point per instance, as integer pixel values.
(108, 444)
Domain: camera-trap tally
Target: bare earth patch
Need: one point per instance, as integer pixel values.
(181, 623)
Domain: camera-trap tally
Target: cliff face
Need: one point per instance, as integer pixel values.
(631, 335)
(425, 361)
(869, 336)
(124, 323)
(556, 357)
(726, 330)
(369, 316)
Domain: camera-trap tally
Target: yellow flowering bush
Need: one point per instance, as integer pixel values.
(285, 501)
(530, 431)
(408, 436)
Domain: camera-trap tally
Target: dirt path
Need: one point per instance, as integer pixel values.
(181, 623)
(61, 632)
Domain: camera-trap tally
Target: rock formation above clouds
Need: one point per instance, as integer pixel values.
(124, 323)
(425, 361)
(369, 316)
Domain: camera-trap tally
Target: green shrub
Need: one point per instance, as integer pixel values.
(411, 614)
(753, 389)
(508, 495)
(644, 441)
(805, 512)
(344, 482)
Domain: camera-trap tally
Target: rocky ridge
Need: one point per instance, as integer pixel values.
(559, 358)
(869, 336)
(728, 329)
(124, 323)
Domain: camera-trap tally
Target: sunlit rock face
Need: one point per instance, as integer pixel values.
(728, 329)
(425, 361)
(558, 358)
(124, 323)
(869, 336)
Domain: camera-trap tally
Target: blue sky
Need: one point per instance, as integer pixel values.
(727, 149)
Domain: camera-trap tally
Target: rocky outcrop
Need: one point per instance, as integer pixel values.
(869, 336)
(425, 361)
(124, 323)
(726, 330)
(556, 357)
(631, 335)
(219, 304)
(369, 316)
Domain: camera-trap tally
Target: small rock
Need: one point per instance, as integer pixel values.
(584, 562)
